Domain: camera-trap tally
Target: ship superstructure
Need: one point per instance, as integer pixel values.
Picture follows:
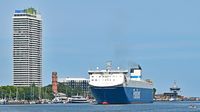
(118, 86)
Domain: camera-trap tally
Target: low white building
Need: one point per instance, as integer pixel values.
(82, 83)
(72, 79)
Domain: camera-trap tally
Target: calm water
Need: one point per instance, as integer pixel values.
(154, 107)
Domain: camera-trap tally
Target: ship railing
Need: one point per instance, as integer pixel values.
(94, 71)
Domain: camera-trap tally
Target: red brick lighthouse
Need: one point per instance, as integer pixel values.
(54, 83)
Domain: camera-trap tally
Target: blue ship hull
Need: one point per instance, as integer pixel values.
(122, 95)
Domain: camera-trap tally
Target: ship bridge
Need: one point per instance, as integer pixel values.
(108, 77)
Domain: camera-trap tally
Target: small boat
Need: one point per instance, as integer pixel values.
(60, 98)
(32, 102)
(78, 99)
(192, 106)
(2, 101)
(172, 99)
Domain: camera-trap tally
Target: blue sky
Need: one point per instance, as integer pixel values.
(162, 36)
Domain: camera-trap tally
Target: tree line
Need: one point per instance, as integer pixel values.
(35, 93)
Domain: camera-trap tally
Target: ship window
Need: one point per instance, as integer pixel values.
(92, 76)
(99, 76)
(92, 80)
(95, 79)
(113, 79)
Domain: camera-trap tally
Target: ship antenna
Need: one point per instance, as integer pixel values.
(108, 65)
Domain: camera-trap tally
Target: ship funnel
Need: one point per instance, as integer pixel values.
(136, 73)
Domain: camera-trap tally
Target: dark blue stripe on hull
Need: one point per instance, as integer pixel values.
(122, 95)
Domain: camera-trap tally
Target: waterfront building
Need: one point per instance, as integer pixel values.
(82, 83)
(170, 96)
(173, 95)
(27, 48)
